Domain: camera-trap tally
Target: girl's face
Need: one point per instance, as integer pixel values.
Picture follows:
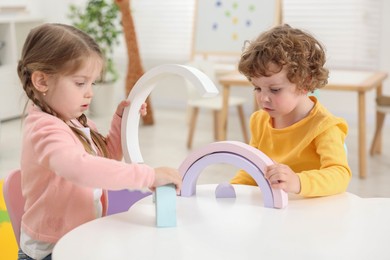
(70, 95)
(279, 97)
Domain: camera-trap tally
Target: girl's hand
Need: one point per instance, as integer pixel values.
(281, 176)
(125, 103)
(166, 175)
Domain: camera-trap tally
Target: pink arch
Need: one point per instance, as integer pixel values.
(236, 153)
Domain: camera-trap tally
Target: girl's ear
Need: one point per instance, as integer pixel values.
(39, 80)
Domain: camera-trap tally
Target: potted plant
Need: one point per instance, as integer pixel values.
(100, 19)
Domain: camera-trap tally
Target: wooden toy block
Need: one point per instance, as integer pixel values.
(225, 190)
(141, 90)
(165, 204)
(121, 200)
(235, 153)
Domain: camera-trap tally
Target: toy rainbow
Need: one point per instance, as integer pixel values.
(239, 154)
(141, 90)
(166, 195)
(235, 153)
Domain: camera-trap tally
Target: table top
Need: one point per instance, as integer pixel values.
(347, 80)
(352, 80)
(342, 226)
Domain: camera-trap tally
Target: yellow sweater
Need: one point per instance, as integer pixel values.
(313, 148)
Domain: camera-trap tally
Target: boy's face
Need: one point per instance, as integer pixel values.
(70, 95)
(278, 96)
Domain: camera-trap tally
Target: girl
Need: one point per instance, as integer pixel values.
(66, 164)
(305, 140)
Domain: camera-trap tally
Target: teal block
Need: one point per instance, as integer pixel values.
(165, 203)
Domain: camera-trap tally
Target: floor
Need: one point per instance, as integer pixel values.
(164, 144)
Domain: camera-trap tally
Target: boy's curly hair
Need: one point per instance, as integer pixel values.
(284, 46)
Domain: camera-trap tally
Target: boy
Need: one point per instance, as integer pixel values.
(305, 140)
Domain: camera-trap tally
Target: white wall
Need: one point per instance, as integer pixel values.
(52, 11)
(385, 43)
(172, 93)
(345, 103)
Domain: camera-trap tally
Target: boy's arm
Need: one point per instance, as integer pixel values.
(334, 174)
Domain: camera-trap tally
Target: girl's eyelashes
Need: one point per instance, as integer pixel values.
(257, 89)
(81, 84)
(275, 90)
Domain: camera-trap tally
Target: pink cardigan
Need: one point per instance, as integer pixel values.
(59, 176)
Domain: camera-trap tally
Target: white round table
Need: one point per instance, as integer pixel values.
(343, 226)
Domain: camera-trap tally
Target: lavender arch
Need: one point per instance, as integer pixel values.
(236, 153)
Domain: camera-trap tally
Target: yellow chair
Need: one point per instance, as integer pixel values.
(195, 103)
(382, 108)
(14, 200)
(8, 245)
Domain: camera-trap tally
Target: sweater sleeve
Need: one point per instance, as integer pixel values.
(58, 149)
(334, 174)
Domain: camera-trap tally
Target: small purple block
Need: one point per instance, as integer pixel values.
(225, 190)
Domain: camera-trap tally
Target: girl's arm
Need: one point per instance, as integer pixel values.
(59, 150)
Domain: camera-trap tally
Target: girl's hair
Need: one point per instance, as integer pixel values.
(58, 49)
(284, 46)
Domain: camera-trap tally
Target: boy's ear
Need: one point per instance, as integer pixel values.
(39, 80)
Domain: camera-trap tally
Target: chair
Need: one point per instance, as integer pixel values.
(121, 200)
(382, 107)
(195, 103)
(14, 200)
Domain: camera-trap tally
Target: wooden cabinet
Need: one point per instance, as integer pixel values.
(13, 32)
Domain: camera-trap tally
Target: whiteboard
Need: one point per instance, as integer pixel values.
(222, 26)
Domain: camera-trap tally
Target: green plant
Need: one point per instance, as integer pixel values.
(100, 19)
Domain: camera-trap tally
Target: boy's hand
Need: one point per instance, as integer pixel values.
(280, 176)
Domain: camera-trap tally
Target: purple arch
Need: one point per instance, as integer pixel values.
(236, 153)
